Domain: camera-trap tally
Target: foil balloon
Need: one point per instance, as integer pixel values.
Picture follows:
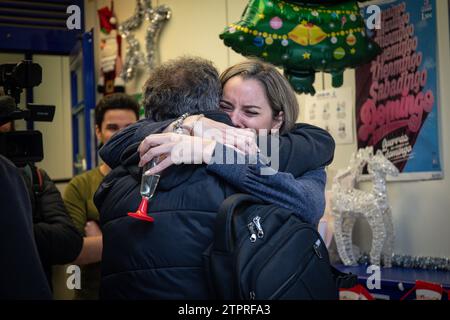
(134, 57)
(320, 2)
(303, 37)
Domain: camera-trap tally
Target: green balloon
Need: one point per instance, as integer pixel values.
(303, 39)
(320, 2)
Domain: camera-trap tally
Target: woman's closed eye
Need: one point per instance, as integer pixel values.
(248, 111)
(226, 107)
(251, 111)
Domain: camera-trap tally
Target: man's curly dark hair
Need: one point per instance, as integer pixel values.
(186, 84)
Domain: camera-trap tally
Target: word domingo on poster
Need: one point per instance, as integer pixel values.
(395, 98)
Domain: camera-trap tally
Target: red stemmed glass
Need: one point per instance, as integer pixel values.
(147, 190)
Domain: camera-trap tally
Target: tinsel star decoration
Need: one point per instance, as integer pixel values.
(134, 56)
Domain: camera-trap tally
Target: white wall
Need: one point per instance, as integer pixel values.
(54, 90)
(421, 215)
(57, 135)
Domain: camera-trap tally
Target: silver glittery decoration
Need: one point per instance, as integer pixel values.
(157, 19)
(134, 57)
(406, 261)
(348, 203)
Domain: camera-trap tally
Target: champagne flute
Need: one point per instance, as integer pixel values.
(147, 190)
(149, 183)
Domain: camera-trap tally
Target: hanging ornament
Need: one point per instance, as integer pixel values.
(134, 56)
(110, 53)
(315, 36)
(157, 19)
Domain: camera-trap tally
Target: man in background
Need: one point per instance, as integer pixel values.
(113, 113)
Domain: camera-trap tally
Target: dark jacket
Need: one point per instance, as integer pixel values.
(162, 260)
(21, 273)
(57, 239)
(159, 260)
(304, 148)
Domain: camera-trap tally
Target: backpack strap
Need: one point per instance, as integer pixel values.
(37, 179)
(344, 280)
(223, 239)
(38, 188)
(35, 188)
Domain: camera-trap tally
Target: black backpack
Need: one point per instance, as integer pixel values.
(265, 252)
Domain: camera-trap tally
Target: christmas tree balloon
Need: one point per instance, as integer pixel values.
(320, 2)
(303, 38)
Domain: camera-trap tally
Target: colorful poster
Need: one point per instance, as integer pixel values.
(397, 106)
(332, 110)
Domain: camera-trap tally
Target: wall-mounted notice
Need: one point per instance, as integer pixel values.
(332, 110)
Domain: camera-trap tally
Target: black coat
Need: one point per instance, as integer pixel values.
(58, 241)
(163, 259)
(21, 273)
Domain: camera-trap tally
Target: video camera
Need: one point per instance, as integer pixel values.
(21, 146)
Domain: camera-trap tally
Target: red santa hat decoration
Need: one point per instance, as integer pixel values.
(426, 291)
(110, 53)
(357, 292)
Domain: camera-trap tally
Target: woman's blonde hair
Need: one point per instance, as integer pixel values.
(279, 92)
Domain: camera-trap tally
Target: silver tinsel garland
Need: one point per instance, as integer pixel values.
(134, 56)
(157, 19)
(405, 261)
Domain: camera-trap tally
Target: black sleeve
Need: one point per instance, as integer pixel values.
(21, 273)
(123, 143)
(305, 148)
(57, 239)
(111, 153)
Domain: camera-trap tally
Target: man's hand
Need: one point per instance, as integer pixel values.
(91, 252)
(91, 229)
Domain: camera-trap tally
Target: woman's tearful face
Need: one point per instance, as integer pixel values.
(245, 101)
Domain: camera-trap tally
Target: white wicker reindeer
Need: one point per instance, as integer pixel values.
(348, 203)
